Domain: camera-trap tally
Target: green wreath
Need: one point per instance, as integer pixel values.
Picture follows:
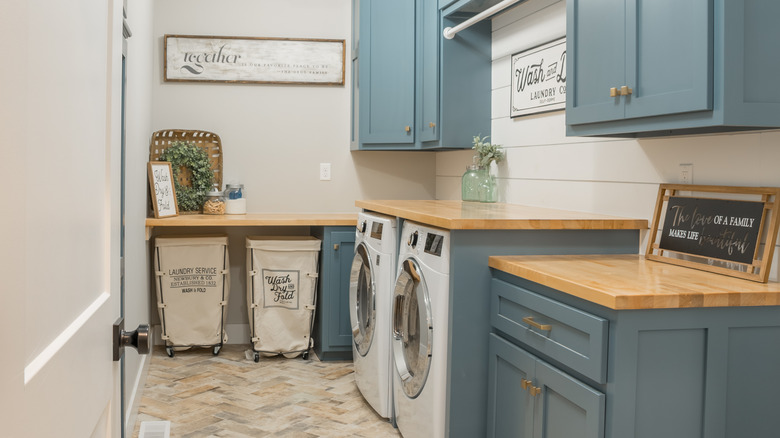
(186, 154)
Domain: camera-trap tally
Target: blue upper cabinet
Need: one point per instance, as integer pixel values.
(414, 90)
(640, 68)
(386, 73)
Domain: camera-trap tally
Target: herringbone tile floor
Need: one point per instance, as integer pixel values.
(230, 396)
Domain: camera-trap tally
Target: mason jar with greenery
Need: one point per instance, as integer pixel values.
(486, 153)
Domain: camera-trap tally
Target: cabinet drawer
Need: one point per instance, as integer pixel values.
(570, 336)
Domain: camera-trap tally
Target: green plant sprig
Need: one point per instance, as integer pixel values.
(186, 154)
(487, 152)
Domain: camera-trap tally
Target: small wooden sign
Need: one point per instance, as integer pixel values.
(254, 60)
(709, 232)
(539, 79)
(162, 189)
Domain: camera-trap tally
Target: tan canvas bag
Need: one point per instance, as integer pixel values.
(281, 293)
(193, 284)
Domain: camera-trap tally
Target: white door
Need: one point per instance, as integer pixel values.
(59, 99)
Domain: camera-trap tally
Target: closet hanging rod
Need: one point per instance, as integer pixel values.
(449, 32)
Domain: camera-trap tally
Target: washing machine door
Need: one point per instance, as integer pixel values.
(412, 328)
(362, 300)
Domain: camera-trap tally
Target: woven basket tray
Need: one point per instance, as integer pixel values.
(209, 141)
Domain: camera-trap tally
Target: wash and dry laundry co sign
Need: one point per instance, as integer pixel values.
(539, 79)
(254, 60)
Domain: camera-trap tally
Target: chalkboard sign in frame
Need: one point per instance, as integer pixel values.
(718, 229)
(162, 189)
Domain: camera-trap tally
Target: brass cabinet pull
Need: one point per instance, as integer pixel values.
(535, 390)
(524, 383)
(530, 321)
(335, 246)
(408, 128)
(613, 92)
(625, 90)
(432, 125)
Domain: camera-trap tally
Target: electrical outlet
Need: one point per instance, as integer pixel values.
(324, 171)
(686, 173)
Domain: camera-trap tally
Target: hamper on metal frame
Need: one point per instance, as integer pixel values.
(281, 294)
(193, 284)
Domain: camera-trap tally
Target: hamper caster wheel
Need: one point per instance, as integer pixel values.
(169, 351)
(305, 355)
(257, 357)
(216, 350)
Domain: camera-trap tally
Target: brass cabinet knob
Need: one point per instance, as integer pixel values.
(535, 390)
(613, 92)
(432, 125)
(625, 90)
(524, 383)
(408, 128)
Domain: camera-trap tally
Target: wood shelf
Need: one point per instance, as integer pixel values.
(253, 220)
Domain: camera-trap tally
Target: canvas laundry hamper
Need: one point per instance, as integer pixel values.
(193, 284)
(281, 293)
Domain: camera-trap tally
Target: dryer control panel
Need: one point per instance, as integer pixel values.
(434, 243)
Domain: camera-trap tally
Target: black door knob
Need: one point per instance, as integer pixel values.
(138, 339)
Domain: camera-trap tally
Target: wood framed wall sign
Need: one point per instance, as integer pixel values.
(254, 60)
(716, 228)
(162, 189)
(539, 79)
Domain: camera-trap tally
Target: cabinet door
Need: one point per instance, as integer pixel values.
(387, 56)
(341, 255)
(510, 408)
(668, 57)
(595, 51)
(566, 407)
(428, 72)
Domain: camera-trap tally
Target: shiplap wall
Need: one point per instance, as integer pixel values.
(620, 177)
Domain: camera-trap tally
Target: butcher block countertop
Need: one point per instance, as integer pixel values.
(630, 282)
(253, 220)
(459, 215)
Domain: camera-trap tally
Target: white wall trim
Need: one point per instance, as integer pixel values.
(131, 409)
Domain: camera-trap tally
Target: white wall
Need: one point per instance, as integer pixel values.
(620, 177)
(275, 136)
(14, 16)
(138, 121)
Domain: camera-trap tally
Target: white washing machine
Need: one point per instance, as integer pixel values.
(419, 325)
(370, 293)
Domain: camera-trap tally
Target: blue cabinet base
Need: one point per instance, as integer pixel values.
(332, 334)
(694, 372)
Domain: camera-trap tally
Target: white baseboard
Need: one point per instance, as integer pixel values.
(136, 392)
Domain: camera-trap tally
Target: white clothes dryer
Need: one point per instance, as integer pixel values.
(420, 321)
(370, 293)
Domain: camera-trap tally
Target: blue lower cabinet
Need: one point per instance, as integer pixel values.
(528, 398)
(692, 372)
(332, 333)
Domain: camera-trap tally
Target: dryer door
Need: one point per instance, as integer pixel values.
(412, 328)
(362, 300)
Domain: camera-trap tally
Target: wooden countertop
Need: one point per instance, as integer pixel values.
(253, 220)
(459, 215)
(631, 282)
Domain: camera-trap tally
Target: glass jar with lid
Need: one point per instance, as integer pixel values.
(215, 202)
(235, 201)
